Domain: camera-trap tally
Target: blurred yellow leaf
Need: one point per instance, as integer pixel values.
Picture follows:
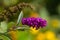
(40, 36)
(50, 35)
(13, 35)
(33, 30)
(34, 14)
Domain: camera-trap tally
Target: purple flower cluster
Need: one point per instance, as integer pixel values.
(34, 22)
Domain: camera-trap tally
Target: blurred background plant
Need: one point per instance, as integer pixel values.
(47, 9)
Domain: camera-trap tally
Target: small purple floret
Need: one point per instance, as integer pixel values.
(34, 22)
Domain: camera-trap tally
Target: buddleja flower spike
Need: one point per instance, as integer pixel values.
(34, 22)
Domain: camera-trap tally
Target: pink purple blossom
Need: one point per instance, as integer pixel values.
(34, 22)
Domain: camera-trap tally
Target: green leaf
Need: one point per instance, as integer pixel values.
(3, 27)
